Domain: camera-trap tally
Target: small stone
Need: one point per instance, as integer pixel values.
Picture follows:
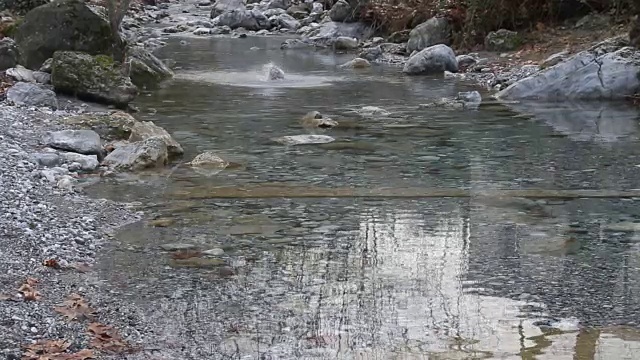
(213, 252)
(177, 246)
(161, 222)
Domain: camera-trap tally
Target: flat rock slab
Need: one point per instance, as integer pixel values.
(80, 141)
(304, 139)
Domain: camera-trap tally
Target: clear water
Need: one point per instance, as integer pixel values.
(311, 271)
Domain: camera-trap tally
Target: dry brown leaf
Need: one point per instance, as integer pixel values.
(75, 308)
(107, 339)
(54, 350)
(52, 263)
(28, 292)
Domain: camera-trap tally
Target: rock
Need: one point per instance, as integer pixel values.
(274, 73)
(47, 159)
(87, 162)
(146, 70)
(315, 119)
(213, 252)
(286, 21)
(248, 19)
(202, 31)
(466, 61)
(46, 66)
(62, 25)
(147, 129)
(554, 59)
(9, 54)
(279, 4)
(329, 31)
(601, 72)
(373, 111)
(42, 77)
(20, 7)
(81, 141)
(502, 40)
(341, 11)
(221, 6)
(432, 60)
(357, 63)
(345, 43)
(65, 183)
(150, 153)
(431, 32)
(371, 53)
(29, 94)
(95, 78)
(634, 33)
(177, 247)
(274, 12)
(317, 8)
(113, 126)
(471, 99)
(291, 44)
(20, 73)
(401, 36)
(303, 139)
(208, 164)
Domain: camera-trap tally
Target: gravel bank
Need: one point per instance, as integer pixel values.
(39, 222)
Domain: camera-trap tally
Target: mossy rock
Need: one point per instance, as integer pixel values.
(63, 25)
(502, 40)
(114, 126)
(94, 78)
(20, 6)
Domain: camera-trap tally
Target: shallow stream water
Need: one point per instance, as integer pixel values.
(346, 250)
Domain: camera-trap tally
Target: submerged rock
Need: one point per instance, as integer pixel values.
(357, 63)
(315, 119)
(28, 94)
(303, 139)
(147, 129)
(274, 73)
(464, 100)
(150, 153)
(606, 71)
(95, 78)
(433, 60)
(80, 141)
(208, 163)
(372, 111)
(63, 25)
(431, 32)
(291, 44)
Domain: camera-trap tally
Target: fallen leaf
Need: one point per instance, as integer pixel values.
(52, 263)
(75, 308)
(28, 292)
(54, 350)
(107, 339)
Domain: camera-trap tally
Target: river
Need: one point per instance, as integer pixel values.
(303, 265)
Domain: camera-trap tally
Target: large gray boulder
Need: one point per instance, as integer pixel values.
(433, 60)
(62, 25)
(248, 19)
(110, 126)
(287, 21)
(20, 7)
(341, 11)
(9, 54)
(327, 33)
(96, 78)
(150, 153)
(608, 70)
(146, 70)
(81, 141)
(221, 6)
(431, 32)
(30, 94)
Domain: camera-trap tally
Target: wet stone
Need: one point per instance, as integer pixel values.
(177, 247)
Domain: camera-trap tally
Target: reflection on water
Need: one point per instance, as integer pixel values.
(479, 277)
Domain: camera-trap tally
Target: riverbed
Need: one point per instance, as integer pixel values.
(346, 250)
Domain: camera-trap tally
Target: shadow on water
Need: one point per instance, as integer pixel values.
(474, 277)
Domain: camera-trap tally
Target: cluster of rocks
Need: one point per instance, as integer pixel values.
(47, 56)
